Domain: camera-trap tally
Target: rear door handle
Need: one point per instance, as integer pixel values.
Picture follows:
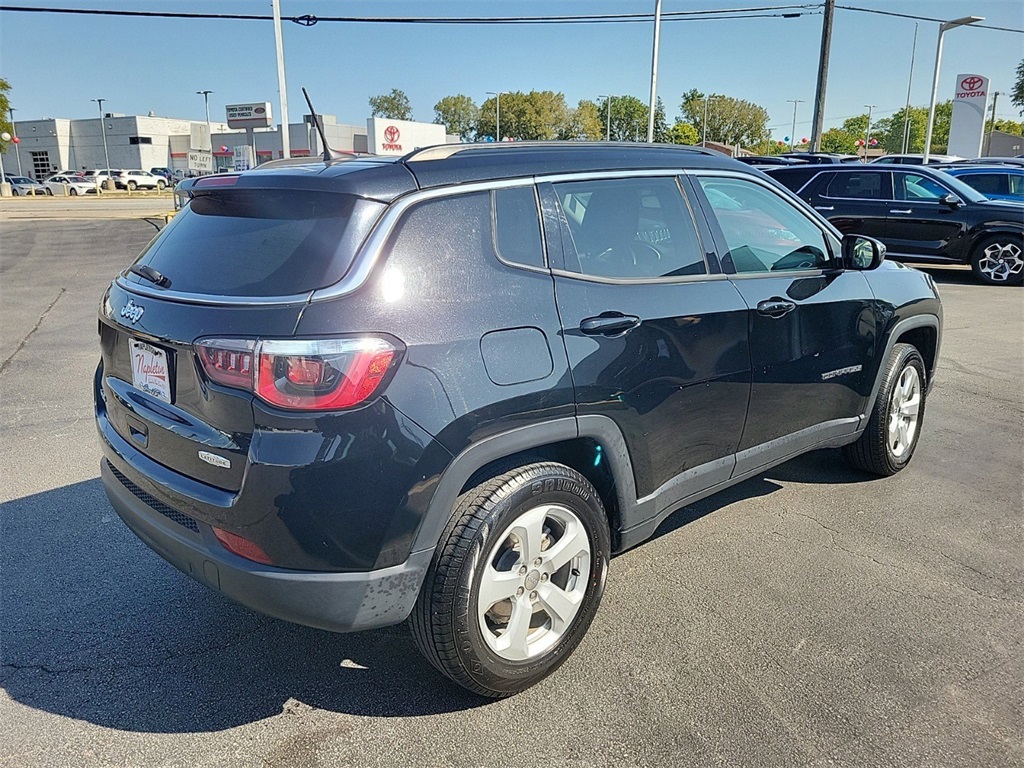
(775, 307)
(906, 211)
(824, 207)
(609, 324)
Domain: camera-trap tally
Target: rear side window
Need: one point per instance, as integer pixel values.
(630, 229)
(988, 183)
(260, 242)
(867, 186)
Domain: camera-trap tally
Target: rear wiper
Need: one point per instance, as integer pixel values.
(146, 272)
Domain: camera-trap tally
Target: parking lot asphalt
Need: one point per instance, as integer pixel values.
(810, 616)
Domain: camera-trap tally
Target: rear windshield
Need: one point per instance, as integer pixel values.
(260, 242)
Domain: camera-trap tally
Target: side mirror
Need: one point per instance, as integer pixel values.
(862, 253)
(951, 200)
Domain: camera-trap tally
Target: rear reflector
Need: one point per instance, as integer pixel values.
(301, 374)
(242, 547)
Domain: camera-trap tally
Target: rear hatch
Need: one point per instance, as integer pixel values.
(233, 265)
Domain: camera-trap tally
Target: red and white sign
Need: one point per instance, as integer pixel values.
(399, 137)
(970, 101)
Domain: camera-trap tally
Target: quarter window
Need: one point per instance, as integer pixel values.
(764, 232)
(631, 229)
(517, 226)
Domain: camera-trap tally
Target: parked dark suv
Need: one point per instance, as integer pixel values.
(448, 387)
(921, 214)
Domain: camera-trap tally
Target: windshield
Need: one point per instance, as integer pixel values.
(260, 242)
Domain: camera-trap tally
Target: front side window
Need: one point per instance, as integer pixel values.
(763, 231)
(630, 229)
(913, 186)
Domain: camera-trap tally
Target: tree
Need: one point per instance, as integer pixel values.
(533, 116)
(1017, 94)
(584, 123)
(5, 106)
(394, 105)
(1009, 126)
(838, 140)
(683, 133)
(458, 114)
(730, 120)
(629, 118)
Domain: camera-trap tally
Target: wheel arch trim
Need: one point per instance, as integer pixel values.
(893, 336)
(533, 436)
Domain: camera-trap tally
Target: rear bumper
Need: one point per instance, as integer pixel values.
(339, 602)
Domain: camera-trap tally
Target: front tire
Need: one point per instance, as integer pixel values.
(73, 192)
(160, 186)
(132, 186)
(889, 441)
(516, 579)
(999, 260)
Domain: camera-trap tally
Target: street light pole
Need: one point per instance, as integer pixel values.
(286, 149)
(608, 109)
(867, 131)
(910, 82)
(209, 130)
(497, 113)
(792, 133)
(946, 26)
(654, 71)
(17, 146)
(103, 133)
(988, 143)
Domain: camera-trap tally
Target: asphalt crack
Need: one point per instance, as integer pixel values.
(24, 341)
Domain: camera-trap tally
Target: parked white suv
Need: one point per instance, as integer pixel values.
(138, 179)
(100, 176)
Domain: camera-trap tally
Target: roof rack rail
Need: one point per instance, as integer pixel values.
(445, 151)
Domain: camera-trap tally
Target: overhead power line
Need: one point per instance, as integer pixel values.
(922, 18)
(308, 20)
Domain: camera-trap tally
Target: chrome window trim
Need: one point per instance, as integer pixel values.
(598, 175)
(637, 280)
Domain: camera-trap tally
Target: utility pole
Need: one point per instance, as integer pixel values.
(910, 82)
(103, 133)
(988, 143)
(819, 92)
(867, 131)
(17, 145)
(209, 130)
(654, 71)
(286, 149)
(497, 114)
(704, 126)
(792, 134)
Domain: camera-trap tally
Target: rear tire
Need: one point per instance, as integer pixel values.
(999, 260)
(73, 192)
(889, 441)
(160, 186)
(516, 579)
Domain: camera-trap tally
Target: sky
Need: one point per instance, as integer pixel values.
(145, 64)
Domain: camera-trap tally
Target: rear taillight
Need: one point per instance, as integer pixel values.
(301, 374)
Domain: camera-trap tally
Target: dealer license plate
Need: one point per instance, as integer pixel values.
(149, 370)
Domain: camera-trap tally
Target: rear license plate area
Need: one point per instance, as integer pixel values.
(151, 371)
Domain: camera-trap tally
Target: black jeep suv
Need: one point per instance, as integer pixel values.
(919, 213)
(448, 387)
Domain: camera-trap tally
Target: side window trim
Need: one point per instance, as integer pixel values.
(830, 237)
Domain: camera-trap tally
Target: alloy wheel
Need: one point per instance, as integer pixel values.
(533, 582)
(904, 410)
(1001, 262)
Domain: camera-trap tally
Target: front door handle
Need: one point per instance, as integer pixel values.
(775, 307)
(824, 207)
(906, 211)
(609, 324)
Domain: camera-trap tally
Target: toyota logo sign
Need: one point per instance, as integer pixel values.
(972, 83)
(391, 134)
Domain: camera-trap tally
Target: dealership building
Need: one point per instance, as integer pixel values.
(147, 141)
